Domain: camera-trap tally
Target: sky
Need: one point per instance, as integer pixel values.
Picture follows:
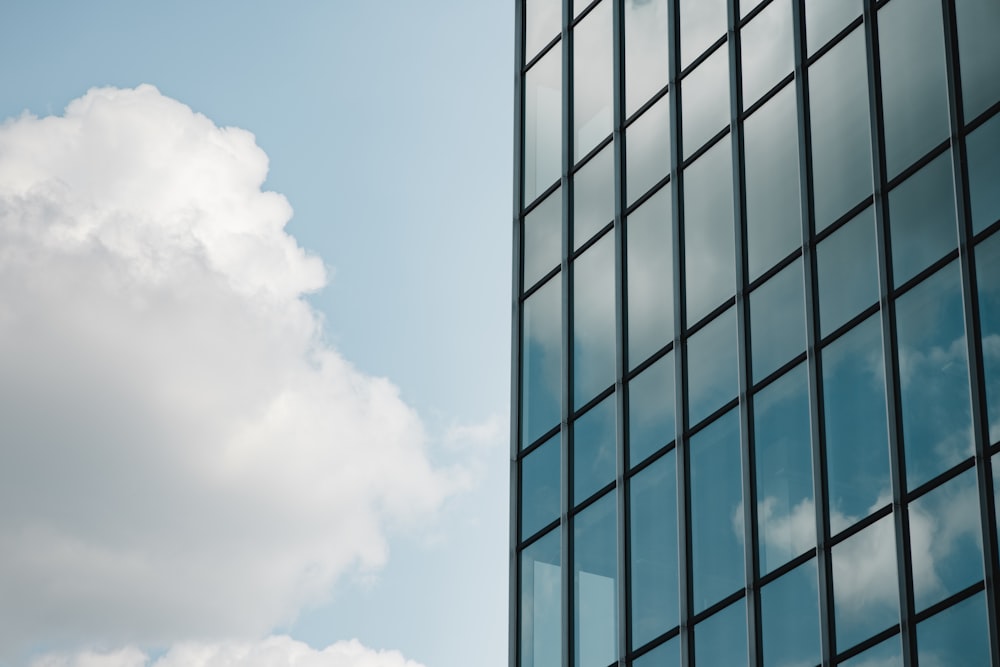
(254, 333)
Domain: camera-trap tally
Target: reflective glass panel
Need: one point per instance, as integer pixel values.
(649, 246)
(777, 320)
(786, 517)
(721, 639)
(712, 367)
(847, 270)
(955, 636)
(541, 361)
(979, 53)
(593, 196)
(709, 237)
(651, 409)
(646, 51)
(541, 603)
(988, 281)
(595, 579)
(789, 608)
(542, 22)
(946, 540)
(593, 60)
(716, 512)
(594, 320)
(825, 18)
(922, 219)
(914, 90)
(774, 227)
(654, 594)
(766, 47)
(542, 124)
(841, 134)
(647, 158)
(702, 22)
(540, 487)
(594, 449)
(664, 655)
(934, 376)
(884, 654)
(542, 245)
(865, 588)
(705, 101)
(857, 448)
(984, 174)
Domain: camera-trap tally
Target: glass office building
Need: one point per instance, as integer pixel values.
(756, 397)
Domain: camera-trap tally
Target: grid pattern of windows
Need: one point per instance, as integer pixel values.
(756, 397)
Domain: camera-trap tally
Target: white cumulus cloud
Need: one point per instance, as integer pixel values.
(182, 457)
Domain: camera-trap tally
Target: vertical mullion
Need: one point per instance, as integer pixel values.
(897, 463)
(566, 470)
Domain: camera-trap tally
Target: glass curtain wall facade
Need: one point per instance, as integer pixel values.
(756, 325)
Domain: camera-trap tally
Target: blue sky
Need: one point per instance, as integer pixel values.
(387, 127)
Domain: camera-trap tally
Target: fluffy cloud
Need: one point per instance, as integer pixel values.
(181, 455)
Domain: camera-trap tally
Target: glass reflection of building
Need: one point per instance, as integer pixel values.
(756, 333)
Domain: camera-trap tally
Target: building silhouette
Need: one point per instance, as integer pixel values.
(756, 354)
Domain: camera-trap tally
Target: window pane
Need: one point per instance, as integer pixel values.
(857, 447)
(664, 655)
(914, 90)
(702, 22)
(651, 409)
(988, 281)
(922, 219)
(712, 367)
(542, 124)
(542, 20)
(541, 361)
(984, 174)
(647, 158)
(865, 588)
(847, 272)
(946, 540)
(721, 639)
(956, 636)
(705, 101)
(594, 320)
(654, 594)
(716, 499)
(709, 237)
(934, 376)
(767, 50)
(785, 512)
(774, 227)
(825, 18)
(646, 51)
(777, 321)
(540, 487)
(592, 61)
(595, 578)
(593, 196)
(789, 609)
(594, 449)
(542, 245)
(650, 271)
(541, 603)
(979, 53)
(884, 654)
(841, 133)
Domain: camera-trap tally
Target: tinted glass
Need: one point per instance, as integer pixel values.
(789, 608)
(542, 124)
(841, 134)
(592, 62)
(922, 219)
(857, 449)
(593, 196)
(934, 376)
(646, 51)
(709, 237)
(702, 23)
(542, 245)
(774, 227)
(712, 367)
(542, 22)
(654, 592)
(988, 281)
(595, 579)
(705, 101)
(766, 50)
(650, 272)
(786, 518)
(984, 174)
(716, 499)
(865, 589)
(651, 409)
(885, 654)
(721, 639)
(847, 271)
(979, 53)
(647, 158)
(594, 449)
(777, 321)
(825, 18)
(956, 636)
(541, 361)
(594, 320)
(541, 603)
(540, 487)
(664, 655)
